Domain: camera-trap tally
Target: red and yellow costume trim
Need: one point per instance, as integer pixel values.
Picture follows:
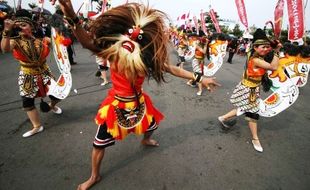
(122, 113)
(253, 76)
(108, 114)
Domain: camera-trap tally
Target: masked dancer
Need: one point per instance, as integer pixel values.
(133, 38)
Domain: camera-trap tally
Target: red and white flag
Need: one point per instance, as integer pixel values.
(196, 24)
(183, 16)
(278, 18)
(295, 11)
(214, 20)
(203, 24)
(242, 12)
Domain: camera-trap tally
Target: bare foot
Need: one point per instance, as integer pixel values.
(149, 142)
(89, 183)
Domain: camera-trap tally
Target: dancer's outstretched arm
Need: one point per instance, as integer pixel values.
(210, 83)
(6, 43)
(80, 33)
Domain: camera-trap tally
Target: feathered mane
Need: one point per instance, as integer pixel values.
(111, 30)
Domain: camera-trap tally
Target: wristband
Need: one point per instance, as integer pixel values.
(6, 33)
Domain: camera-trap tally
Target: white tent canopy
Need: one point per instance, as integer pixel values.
(247, 35)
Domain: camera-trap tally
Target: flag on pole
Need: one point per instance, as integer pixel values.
(278, 18)
(242, 12)
(203, 24)
(196, 24)
(214, 20)
(183, 17)
(295, 11)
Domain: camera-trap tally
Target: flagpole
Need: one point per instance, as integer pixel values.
(79, 8)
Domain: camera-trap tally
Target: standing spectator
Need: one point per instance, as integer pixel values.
(232, 49)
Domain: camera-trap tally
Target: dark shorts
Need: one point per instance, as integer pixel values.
(103, 68)
(104, 139)
(28, 103)
(182, 58)
(254, 117)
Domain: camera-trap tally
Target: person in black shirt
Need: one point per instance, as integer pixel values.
(232, 48)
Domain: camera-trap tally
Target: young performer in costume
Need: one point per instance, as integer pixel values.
(34, 75)
(103, 67)
(198, 61)
(182, 47)
(245, 95)
(133, 38)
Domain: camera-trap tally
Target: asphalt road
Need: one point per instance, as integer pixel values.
(193, 154)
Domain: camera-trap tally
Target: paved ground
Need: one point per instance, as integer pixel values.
(194, 153)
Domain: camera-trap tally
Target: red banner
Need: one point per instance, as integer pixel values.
(196, 24)
(183, 17)
(188, 15)
(242, 12)
(278, 17)
(214, 20)
(203, 24)
(295, 13)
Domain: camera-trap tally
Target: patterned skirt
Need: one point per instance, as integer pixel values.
(32, 86)
(198, 65)
(123, 115)
(246, 98)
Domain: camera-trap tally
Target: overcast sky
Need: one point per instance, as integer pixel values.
(258, 11)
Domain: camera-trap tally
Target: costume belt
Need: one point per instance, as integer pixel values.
(199, 57)
(128, 98)
(32, 64)
(252, 82)
(34, 70)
